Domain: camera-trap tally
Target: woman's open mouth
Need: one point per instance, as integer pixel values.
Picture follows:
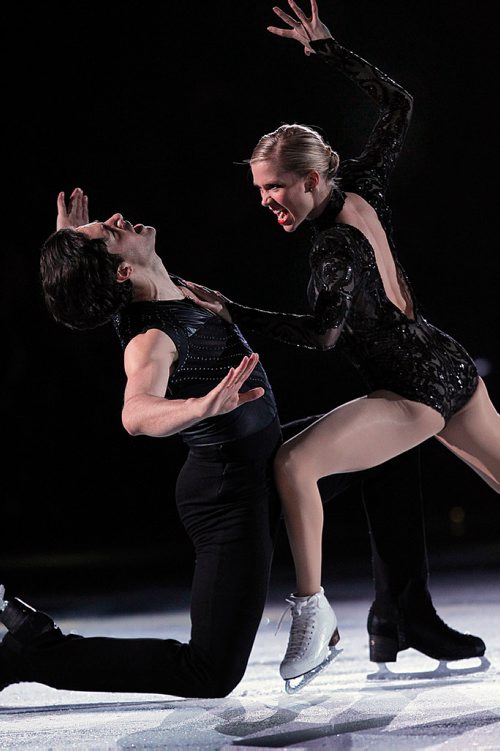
(280, 214)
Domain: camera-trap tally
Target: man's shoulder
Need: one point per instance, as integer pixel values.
(138, 317)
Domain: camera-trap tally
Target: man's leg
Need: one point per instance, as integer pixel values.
(228, 505)
(402, 614)
(393, 503)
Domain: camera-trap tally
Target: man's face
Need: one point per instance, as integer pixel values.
(121, 237)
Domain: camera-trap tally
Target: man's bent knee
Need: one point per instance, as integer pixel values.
(216, 686)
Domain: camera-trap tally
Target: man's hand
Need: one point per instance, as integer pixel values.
(209, 299)
(225, 396)
(303, 28)
(75, 213)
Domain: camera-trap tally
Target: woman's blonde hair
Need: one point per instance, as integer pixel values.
(299, 149)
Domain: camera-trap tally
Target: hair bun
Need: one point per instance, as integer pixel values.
(334, 161)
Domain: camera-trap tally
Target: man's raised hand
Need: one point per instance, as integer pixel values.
(75, 213)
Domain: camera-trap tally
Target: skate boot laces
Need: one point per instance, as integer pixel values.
(303, 614)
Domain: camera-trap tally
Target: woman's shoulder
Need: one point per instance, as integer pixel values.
(335, 242)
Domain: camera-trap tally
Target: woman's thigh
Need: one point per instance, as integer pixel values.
(361, 434)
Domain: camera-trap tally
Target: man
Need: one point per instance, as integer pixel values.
(190, 372)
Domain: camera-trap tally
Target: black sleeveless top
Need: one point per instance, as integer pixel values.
(208, 346)
(406, 355)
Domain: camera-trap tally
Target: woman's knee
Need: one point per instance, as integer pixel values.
(289, 461)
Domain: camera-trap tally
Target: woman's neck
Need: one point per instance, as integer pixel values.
(322, 200)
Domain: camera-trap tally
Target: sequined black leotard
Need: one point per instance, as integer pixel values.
(350, 307)
(207, 347)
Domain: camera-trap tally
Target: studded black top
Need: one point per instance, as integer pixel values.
(208, 346)
(391, 351)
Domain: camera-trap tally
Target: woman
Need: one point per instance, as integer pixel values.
(421, 382)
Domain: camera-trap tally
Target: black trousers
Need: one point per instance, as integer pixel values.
(227, 503)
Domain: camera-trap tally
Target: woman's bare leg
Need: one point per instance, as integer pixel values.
(473, 434)
(355, 436)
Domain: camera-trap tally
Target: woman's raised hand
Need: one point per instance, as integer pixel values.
(304, 29)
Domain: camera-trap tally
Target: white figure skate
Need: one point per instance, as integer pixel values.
(311, 645)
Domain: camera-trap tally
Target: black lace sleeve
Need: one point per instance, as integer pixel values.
(290, 328)
(332, 281)
(331, 289)
(394, 103)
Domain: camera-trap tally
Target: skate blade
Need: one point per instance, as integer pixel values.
(443, 670)
(293, 685)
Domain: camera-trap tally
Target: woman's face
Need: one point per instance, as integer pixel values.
(286, 194)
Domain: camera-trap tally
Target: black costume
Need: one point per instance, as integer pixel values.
(389, 349)
(206, 352)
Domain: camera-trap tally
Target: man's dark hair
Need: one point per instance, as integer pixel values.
(79, 280)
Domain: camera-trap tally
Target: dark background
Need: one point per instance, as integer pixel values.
(149, 108)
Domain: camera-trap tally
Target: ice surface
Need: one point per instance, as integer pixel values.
(350, 705)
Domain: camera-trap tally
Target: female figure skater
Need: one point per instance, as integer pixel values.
(421, 382)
